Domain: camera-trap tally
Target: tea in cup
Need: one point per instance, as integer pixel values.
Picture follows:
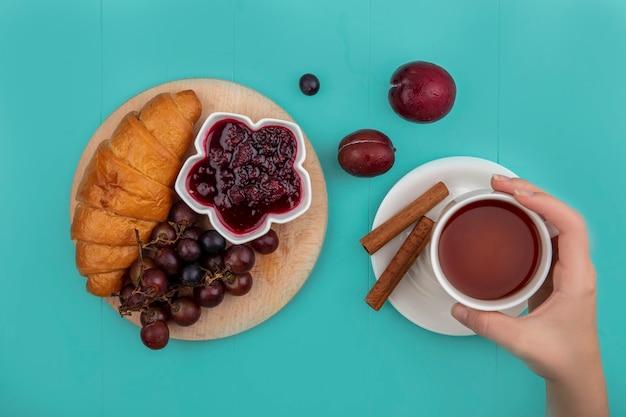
(489, 252)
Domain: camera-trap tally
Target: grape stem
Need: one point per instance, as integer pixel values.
(179, 228)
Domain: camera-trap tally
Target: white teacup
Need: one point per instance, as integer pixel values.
(471, 250)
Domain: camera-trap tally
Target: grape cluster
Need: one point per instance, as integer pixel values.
(183, 269)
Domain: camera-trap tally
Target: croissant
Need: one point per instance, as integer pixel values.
(126, 188)
(109, 183)
(91, 224)
(89, 259)
(129, 142)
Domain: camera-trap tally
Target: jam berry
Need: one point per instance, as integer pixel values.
(309, 84)
(247, 174)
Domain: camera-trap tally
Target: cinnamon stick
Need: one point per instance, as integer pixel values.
(400, 263)
(381, 235)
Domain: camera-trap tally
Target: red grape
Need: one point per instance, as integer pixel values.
(238, 284)
(240, 258)
(138, 266)
(212, 242)
(188, 250)
(191, 233)
(135, 301)
(209, 295)
(163, 234)
(309, 84)
(154, 312)
(155, 335)
(153, 282)
(182, 214)
(126, 293)
(167, 260)
(185, 311)
(266, 244)
(191, 275)
(211, 262)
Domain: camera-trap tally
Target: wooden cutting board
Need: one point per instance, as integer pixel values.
(278, 276)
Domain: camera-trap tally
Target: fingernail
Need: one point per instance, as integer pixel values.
(500, 177)
(524, 193)
(460, 312)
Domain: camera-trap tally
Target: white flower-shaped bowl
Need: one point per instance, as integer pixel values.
(202, 145)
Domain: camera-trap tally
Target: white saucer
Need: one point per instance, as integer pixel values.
(418, 296)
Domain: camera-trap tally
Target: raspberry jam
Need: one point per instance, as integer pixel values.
(247, 174)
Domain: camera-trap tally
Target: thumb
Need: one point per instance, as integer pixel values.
(492, 325)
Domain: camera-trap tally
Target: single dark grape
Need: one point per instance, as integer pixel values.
(191, 275)
(135, 301)
(212, 242)
(126, 292)
(153, 282)
(182, 214)
(266, 244)
(309, 84)
(238, 284)
(167, 259)
(138, 266)
(240, 258)
(188, 250)
(185, 311)
(191, 233)
(163, 234)
(212, 262)
(209, 295)
(155, 335)
(154, 312)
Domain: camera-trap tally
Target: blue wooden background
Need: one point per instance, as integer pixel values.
(541, 86)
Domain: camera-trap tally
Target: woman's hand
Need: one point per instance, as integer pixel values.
(558, 339)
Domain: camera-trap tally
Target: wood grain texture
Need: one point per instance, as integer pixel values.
(278, 276)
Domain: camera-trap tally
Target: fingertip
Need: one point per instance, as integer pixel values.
(500, 182)
(460, 313)
(500, 177)
(504, 183)
(510, 185)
